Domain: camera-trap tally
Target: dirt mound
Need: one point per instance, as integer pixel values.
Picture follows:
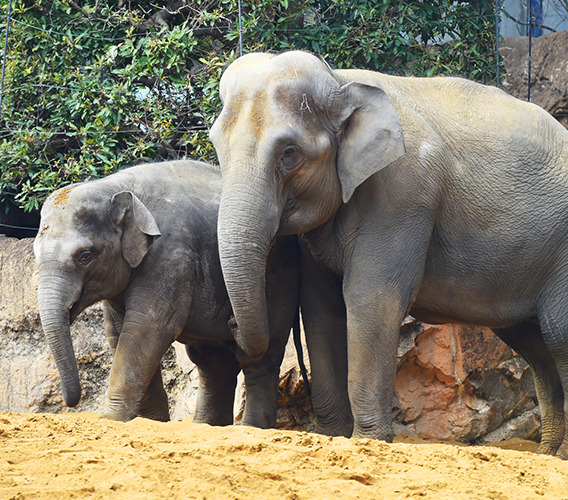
(83, 456)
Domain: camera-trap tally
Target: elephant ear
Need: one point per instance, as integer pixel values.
(139, 228)
(371, 136)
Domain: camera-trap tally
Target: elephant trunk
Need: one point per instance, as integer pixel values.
(248, 222)
(54, 313)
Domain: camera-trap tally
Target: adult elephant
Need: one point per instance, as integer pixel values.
(144, 240)
(437, 197)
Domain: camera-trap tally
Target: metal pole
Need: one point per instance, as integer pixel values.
(5, 53)
(530, 23)
(240, 30)
(497, 41)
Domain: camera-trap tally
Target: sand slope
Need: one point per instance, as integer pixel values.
(83, 456)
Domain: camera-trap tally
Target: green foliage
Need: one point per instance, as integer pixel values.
(94, 86)
(92, 91)
(404, 38)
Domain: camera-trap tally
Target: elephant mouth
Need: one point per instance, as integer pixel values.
(74, 311)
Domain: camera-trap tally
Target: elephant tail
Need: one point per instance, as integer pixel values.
(300, 352)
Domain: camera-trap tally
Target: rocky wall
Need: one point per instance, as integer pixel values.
(548, 71)
(453, 382)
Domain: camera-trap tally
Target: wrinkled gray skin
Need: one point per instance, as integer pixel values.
(145, 240)
(436, 197)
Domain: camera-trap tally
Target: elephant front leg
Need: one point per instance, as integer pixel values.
(372, 368)
(261, 382)
(262, 378)
(140, 348)
(382, 278)
(374, 316)
(218, 369)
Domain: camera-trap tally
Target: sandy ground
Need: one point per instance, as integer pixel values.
(83, 456)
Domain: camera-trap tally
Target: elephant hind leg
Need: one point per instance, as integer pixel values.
(218, 369)
(554, 326)
(527, 340)
(325, 323)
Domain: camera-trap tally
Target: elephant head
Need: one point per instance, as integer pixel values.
(294, 141)
(89, 242)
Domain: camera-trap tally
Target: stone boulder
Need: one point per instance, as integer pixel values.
(453, 382)
(462, 383)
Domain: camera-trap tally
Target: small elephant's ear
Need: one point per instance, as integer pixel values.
(139, 228)
(371, 136)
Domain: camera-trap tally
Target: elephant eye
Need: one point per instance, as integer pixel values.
(288, 151)
(291, 157)
(85, 258)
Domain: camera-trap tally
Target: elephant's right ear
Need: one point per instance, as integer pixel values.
(371, 135)
(139, 228)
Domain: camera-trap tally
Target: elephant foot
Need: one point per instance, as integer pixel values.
(159, 412)
(120, 414)
(334, 423)
(344, 431)
(386, 435)
(109, 415)
(215, 421)
(263, 422)
(550, 449)
(160, 417)
(118, 417)
(563, 451)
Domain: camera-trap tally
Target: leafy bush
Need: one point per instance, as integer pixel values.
(404, 38)
(95, 87)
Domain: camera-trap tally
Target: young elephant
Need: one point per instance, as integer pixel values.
(145, 240)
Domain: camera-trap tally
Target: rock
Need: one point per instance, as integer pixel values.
(453, 382)
(27, 379)
(460, 383)
(294, 404)
(549, 71)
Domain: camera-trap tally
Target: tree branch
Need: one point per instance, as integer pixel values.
(77, 7)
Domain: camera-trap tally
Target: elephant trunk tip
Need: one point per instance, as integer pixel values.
(254, 352)
(71, 395)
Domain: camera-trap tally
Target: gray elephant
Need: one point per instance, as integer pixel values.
(145, 239)
(437, 197)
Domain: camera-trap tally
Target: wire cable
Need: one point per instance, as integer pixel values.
(20, 227)
(240, 30)
(5, 53)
